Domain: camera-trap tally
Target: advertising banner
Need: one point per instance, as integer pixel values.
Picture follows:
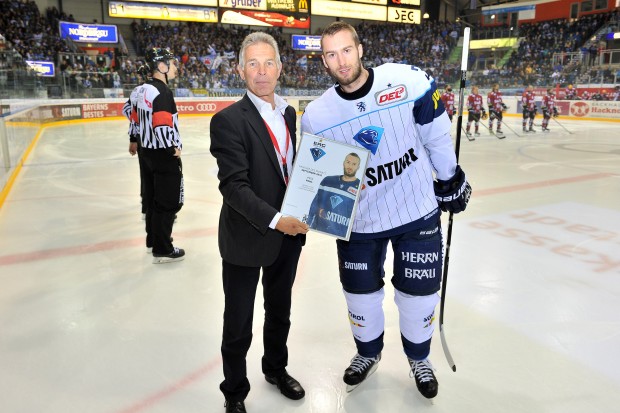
(263, 18)
(306, 42)
(42, 68)
(132, 10)
(88, 33)
(349, 10)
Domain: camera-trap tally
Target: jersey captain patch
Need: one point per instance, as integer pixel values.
(369, 137)
(391, 95)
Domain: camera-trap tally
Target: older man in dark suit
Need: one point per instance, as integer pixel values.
(253, 141)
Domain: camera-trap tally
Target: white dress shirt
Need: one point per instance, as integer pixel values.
(275, 119)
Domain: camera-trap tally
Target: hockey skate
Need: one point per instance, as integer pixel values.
(425, 380)
(500, 135)
(477, 133)
(469, 137)
(546, 129)
(531, 130)
(360, 368)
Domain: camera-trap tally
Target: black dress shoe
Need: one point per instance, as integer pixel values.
(288, 386)
(235, 407)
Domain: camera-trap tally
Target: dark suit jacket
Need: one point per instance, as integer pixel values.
(251, 183)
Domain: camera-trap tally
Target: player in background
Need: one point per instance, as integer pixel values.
(333, 204)
(529, 109)
(476, 111)
(394, 111)
(570, 93)
(605, 95)
(548, 109)
(161, 148)
(585, 95)
(130, 111)
(496, 109)
(447, 97)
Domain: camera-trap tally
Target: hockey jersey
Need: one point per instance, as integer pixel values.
(157, 116)
(399, 117)
(495, 101)
(548, 104)
(130, 111)
(333, 204)
(448, 102)
(528, 100)
(474, 103)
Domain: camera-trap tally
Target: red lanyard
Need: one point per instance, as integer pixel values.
(275, 144)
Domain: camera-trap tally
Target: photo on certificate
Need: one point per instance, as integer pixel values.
(325, 185)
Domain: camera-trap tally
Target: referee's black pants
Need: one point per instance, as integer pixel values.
(163, 188)
(240, 285)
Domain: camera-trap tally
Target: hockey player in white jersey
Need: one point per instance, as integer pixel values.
(395, 112)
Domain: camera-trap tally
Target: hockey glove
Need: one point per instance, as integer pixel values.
(453, 195)
(555, 112)
(504, 108)
(484, 114)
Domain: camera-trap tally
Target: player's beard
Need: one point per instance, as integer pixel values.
(356, 72)
(349, 174)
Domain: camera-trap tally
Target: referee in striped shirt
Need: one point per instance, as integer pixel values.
(161, 147)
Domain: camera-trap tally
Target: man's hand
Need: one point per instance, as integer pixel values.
(291, 226)
(133, 148)
(177, 152)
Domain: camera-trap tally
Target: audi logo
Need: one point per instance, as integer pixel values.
(206, 107)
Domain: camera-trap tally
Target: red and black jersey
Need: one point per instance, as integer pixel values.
(474, 103)
(157, 116)
(528, 101)
(448, 102)
(548, 103)
(495, 101)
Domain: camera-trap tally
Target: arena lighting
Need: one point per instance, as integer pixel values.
(425, 16)
(492, 17)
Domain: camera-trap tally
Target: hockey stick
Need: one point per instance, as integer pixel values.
(558, 122)
(469, 137)
(459, 126)
(512, 130)
(487, 128)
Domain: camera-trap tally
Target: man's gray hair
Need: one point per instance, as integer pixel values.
(258, 37)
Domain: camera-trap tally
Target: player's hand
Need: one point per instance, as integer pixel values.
(133, 148)
(291, 226)
(453, 195)
(177, 152)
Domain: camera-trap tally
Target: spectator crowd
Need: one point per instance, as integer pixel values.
(208, 52)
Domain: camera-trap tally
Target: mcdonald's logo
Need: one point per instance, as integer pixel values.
(303, 4)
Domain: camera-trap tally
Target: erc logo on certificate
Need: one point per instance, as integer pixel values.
(325, 185)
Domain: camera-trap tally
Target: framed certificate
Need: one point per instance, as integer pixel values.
(325, 185)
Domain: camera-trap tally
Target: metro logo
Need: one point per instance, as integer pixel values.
(391, 95)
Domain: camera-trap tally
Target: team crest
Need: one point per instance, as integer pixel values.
(369, 137)
(317, 153)
(335, 200)
(391, 95)
(352, 190)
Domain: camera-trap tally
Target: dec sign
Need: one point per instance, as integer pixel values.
(402, 15)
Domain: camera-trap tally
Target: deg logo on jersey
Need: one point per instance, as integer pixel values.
(317, 153)
(369, 137)
(391, 95)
